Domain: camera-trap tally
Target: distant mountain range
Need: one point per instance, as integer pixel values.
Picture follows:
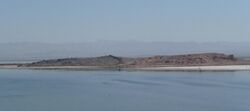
(40, 51)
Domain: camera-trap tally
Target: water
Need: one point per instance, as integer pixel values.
(61, 90)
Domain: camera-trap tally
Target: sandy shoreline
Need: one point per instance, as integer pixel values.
(8, 67)
(162, 68)
(200, 68)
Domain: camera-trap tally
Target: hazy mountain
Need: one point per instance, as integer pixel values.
(38, 51)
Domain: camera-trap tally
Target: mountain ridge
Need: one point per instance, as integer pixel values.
(40, 51)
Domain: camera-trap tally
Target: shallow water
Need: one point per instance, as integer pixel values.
(61, 90)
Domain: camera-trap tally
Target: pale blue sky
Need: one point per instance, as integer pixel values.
(120, 20)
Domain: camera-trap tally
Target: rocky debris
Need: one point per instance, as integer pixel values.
(113, 61)
(189, 59)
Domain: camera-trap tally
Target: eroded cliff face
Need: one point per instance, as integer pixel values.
(113, 61)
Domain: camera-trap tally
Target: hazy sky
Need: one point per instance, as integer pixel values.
(141, 20)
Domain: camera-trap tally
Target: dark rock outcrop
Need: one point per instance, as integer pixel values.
(94, 61)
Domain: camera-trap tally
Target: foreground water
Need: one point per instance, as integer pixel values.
(60, 90)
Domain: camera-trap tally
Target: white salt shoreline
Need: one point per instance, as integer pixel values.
(200, 68)
(161, 68)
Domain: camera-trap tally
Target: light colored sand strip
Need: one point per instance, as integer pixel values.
(50, 67)
(187, 68)
(8, 66)
(201, 68)
(62, 67)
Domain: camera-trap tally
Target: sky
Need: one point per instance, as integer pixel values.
(63, 21)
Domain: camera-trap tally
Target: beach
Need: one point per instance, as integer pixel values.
(160, 68)
(200, 68)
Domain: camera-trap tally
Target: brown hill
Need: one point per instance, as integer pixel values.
(189, 59)
(175, 60)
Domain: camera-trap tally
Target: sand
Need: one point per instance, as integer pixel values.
(200, 68)
(186, 68)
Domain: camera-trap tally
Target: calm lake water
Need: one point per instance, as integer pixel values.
(61, 90)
